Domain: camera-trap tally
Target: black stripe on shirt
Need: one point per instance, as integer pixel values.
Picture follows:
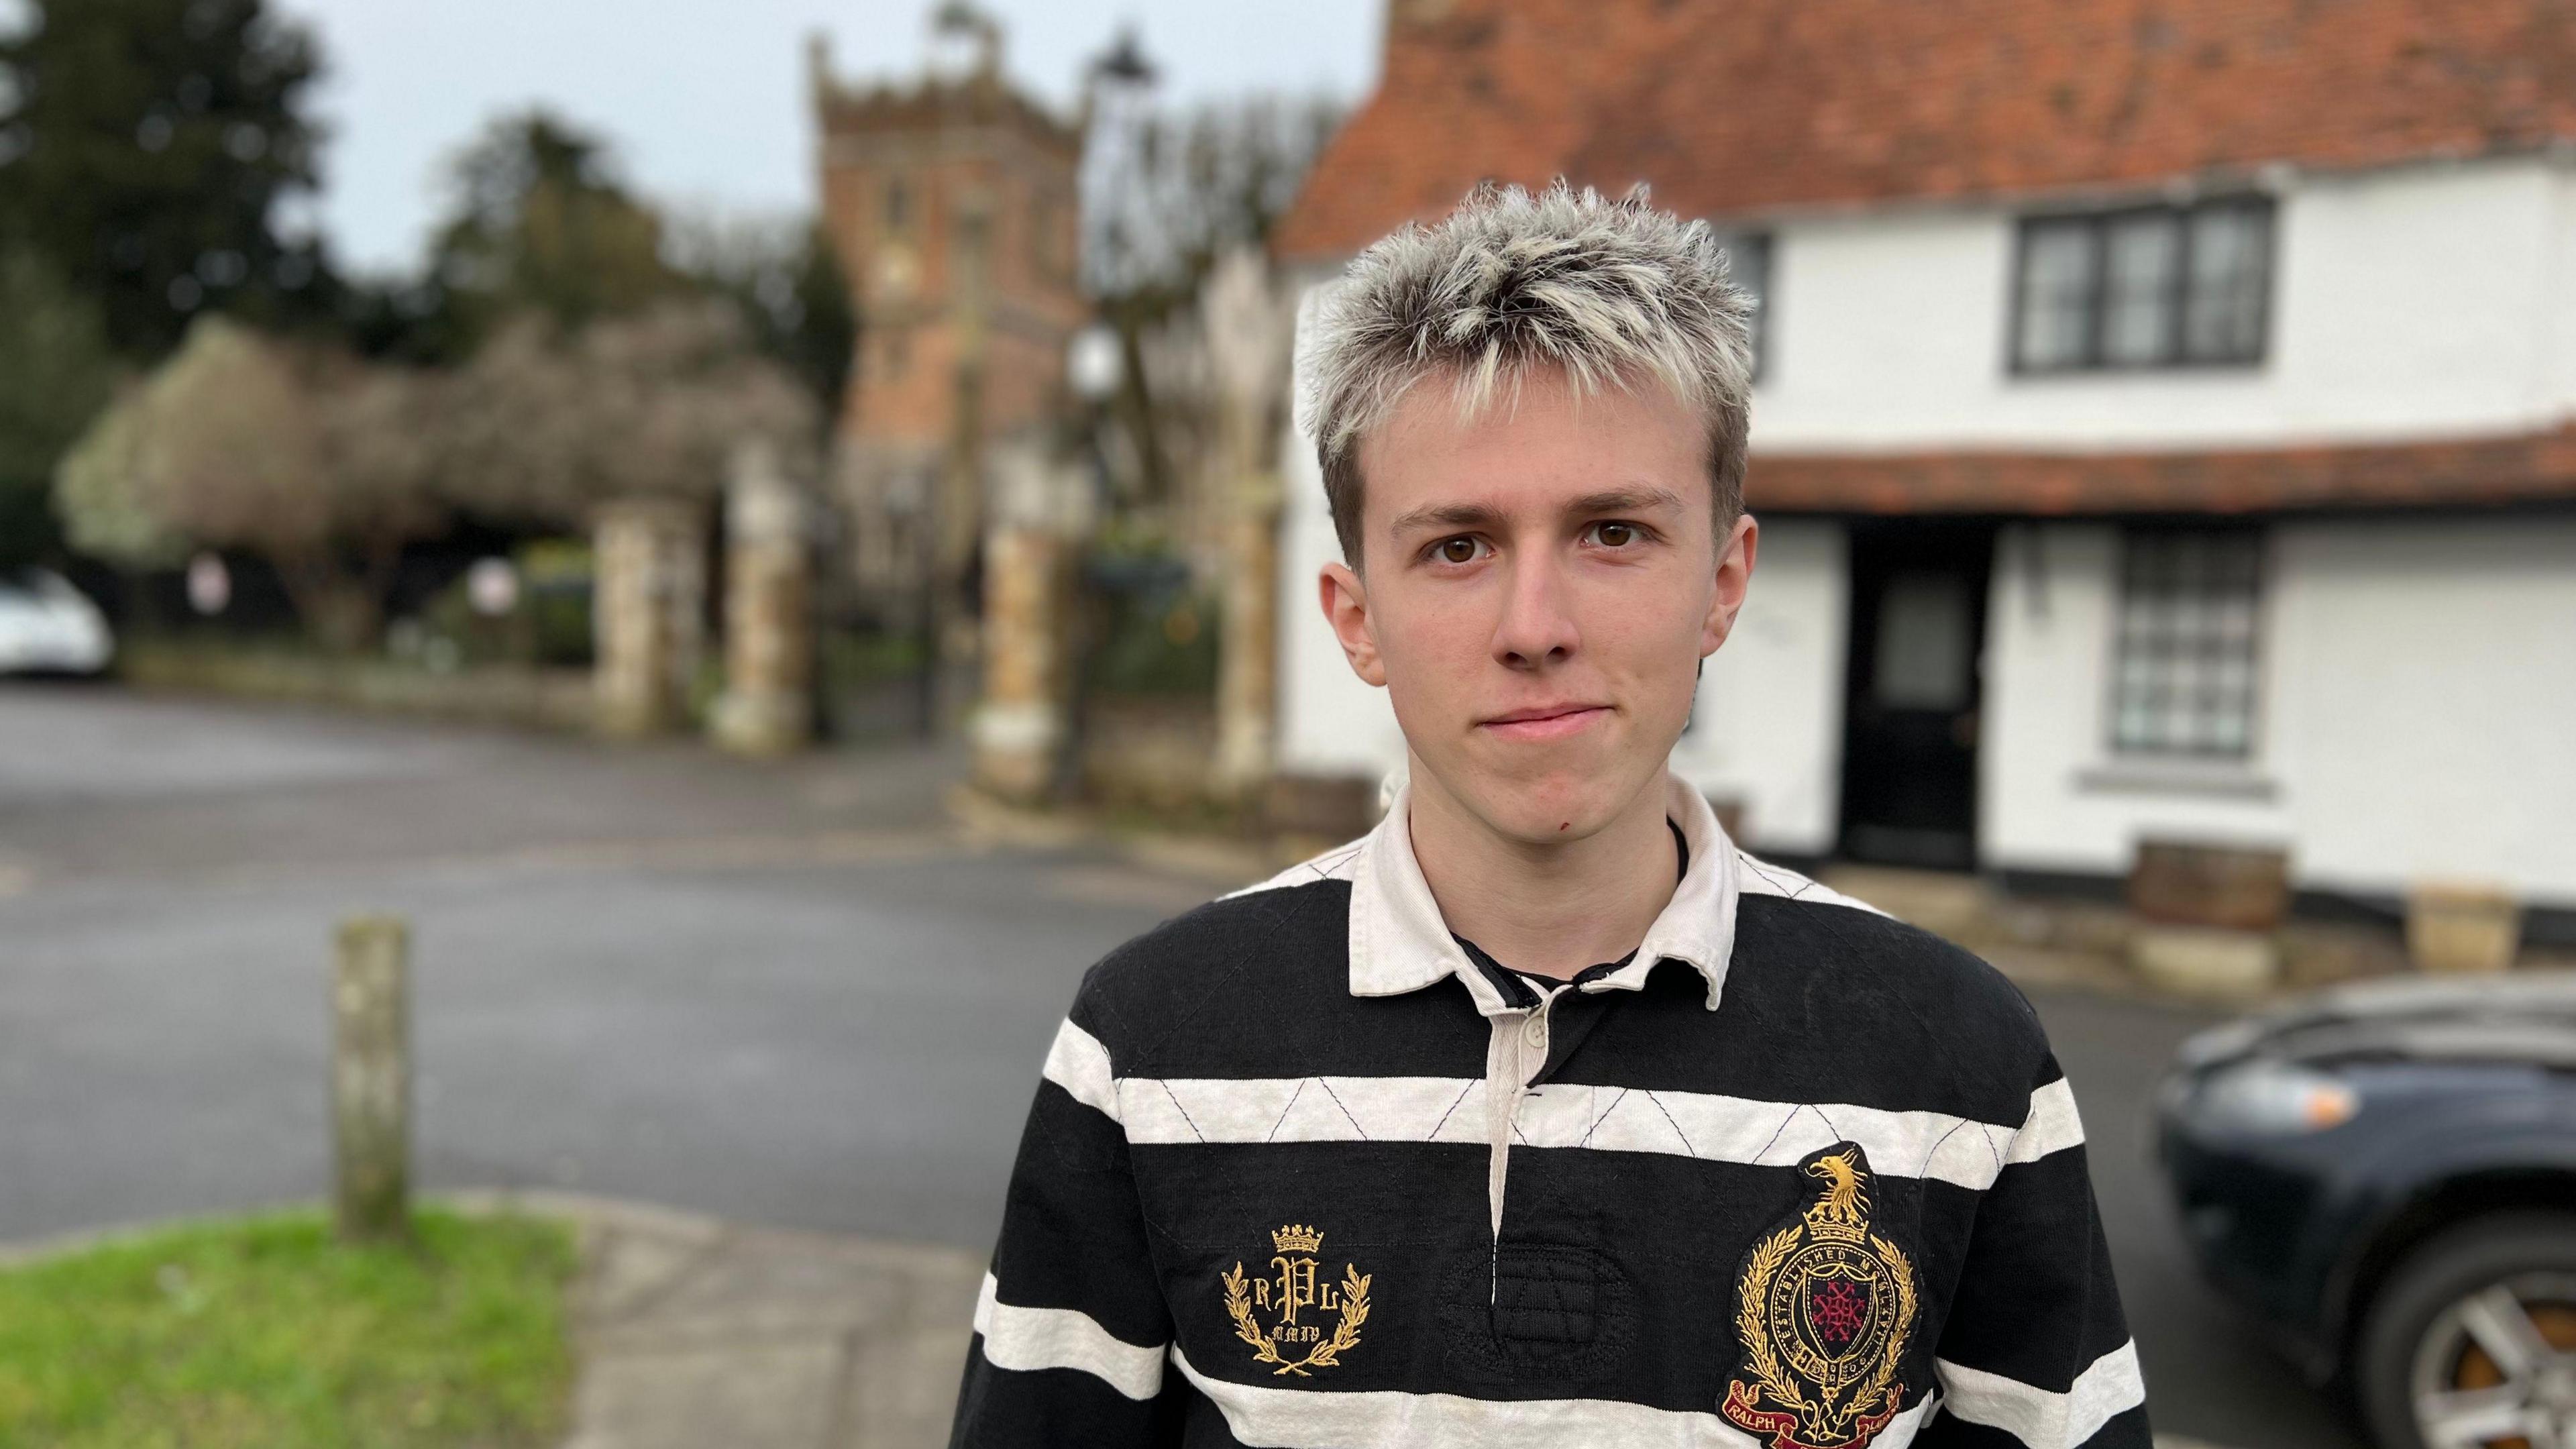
(2037, 1241)
(1059, 1408)
(2127, 1429)
(1072, 1235)
(1645, 1249)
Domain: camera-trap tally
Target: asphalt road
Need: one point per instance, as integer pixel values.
(789, 994)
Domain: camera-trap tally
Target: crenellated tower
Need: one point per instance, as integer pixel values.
(952, 203)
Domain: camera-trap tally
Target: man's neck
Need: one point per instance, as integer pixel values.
(1549, 909)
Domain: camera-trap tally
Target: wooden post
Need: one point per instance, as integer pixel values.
(371, 1079)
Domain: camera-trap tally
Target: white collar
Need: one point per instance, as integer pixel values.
(1399, 943)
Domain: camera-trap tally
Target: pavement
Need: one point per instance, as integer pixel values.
(792, 995)
(691, 1331)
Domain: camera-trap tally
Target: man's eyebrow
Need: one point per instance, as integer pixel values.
(1624, 500)
(1447, 515)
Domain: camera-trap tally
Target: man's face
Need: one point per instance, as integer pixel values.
(1538, 586)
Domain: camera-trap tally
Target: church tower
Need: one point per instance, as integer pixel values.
(952, 203)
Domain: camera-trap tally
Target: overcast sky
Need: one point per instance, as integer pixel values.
(705, 99)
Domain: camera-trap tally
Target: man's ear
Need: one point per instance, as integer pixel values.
(1345, 600)
(1734, 580)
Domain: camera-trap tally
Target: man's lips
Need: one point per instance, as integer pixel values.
(1546, 722)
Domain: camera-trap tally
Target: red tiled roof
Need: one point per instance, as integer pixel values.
(1739, 105)
(2468, 473)
(1733, 106)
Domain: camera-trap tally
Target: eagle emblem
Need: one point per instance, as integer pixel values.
(1297, 1298)
(1824, 1308)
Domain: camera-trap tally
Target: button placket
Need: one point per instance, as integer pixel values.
(1518, 1053)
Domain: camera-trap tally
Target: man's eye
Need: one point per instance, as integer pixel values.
(1614, 535)
(1459, 550)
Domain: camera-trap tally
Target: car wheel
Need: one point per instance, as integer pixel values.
(2472, 1343)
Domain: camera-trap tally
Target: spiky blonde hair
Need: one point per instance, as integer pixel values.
(1605, 293)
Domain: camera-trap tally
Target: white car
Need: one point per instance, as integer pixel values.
(49, 627)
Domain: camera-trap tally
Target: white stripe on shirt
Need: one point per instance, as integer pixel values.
(2052, 1125)
(2038, 1418)
(1319, 1418)
(1080, 1064)
(1707, 1126)
(1047, 1338)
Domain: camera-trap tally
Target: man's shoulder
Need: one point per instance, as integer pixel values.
(1797, 927)
(1287, 935)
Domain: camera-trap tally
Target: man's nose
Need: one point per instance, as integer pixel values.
(1537, 627)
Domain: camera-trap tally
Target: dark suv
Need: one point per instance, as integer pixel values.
(2386, 1174)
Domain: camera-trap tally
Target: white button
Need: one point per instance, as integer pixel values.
(1534, 1030)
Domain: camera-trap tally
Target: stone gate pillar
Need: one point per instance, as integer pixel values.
(1040, 513)
(1251, 325)
(767, 705)
(648, 593)
(1247, 684)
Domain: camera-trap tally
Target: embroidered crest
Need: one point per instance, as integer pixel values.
(1824, 1308)
(1298, 1299)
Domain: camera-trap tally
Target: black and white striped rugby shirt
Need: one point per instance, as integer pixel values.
(1794, 1175)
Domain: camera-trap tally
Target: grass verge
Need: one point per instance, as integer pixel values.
(267, 1332)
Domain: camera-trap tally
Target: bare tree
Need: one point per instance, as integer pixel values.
(1165, 196)
(379, 430)
(547, 423)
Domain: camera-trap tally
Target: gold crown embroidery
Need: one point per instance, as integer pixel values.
(1294, 1341)
(1824, 1308)
(1297, 1238)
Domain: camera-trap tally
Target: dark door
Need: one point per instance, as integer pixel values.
(1918, 629)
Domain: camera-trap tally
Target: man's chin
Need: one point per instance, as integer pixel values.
(1552, 807)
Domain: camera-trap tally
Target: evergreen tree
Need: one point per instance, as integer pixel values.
(542, 223)
(55, 372)
(145, 146)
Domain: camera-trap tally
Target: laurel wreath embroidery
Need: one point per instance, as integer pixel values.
(1887, 1365)
(1756, 1333)
(1346, 1334)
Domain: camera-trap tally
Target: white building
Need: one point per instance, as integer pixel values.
(2166, 427)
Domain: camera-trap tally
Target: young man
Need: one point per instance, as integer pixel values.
(1543, 1115)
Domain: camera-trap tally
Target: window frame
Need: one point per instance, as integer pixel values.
(2122, 752)
(1763, 243)
(2098, 223)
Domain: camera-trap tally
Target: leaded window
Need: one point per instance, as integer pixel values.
(2143, 287)
(1748, 265)
(2183, 680)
